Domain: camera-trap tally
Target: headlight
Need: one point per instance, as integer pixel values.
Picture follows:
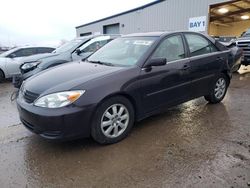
(57, 100)
(29, 65)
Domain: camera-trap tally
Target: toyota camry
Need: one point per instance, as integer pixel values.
(127, 80)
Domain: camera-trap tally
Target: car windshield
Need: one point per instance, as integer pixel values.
(246, 34)
(68, 45)
(123, 51)
(5, 54)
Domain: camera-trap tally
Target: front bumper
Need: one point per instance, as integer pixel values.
(64, 123)
(17, 81)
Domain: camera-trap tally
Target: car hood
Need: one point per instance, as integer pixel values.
(38, 57)
(2, 59)
(67, 76)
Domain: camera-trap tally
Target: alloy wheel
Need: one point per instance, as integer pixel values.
(115, 120)
(220, 88)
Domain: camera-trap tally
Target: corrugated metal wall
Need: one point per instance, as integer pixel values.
(165, 16)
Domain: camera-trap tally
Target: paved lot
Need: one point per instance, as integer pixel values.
(192, 145)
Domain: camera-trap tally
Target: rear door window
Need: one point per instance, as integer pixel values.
(199, 45)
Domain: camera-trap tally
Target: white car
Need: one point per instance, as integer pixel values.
(9, 61)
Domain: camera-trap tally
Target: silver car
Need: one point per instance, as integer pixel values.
(76, 49)
(9, 61)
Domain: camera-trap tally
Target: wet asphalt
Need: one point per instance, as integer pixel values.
(195, 144)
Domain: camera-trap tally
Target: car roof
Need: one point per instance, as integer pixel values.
(24, 47)
(158, 34)
(147, 34)
(99, 35)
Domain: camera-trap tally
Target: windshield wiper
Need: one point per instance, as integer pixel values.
(101, 63)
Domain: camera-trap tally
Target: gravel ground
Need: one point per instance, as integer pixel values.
(191, 145)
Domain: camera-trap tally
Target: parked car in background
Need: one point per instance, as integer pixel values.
(127, 80)
(226, 40)
(235, 57)
(3, 49)
(79, 48)
(235, 54)
(244, 43)
(9, 64)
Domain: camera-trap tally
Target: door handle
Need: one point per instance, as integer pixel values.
(185, 67)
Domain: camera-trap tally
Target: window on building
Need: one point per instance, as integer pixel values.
(111, 29)
(85, 34)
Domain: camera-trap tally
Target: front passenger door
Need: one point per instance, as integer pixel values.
(13, 64)
(169, 84)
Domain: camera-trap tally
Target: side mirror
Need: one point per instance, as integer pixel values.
(156, 62)
(78, 51)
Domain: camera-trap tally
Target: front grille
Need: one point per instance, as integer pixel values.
(29, 97)
(245, 46)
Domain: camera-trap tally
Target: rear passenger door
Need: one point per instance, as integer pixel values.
(205, 62)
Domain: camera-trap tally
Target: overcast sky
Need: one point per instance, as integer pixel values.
(47, 22)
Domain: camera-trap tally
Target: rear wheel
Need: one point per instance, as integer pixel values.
(2, 77)
(237, 68)
(113, 120)
(218, 90)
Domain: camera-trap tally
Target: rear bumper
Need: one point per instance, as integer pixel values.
(65, 123)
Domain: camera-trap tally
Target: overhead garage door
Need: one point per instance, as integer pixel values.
(111, 29)
(230, 18)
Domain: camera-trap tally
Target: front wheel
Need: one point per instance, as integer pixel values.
(113, 120)
(218, 90)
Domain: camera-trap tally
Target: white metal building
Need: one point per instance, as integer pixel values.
(215, 17)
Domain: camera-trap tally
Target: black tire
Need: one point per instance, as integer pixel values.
(97, 131)
(211, 97)
(237, 68)
(2, 77)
